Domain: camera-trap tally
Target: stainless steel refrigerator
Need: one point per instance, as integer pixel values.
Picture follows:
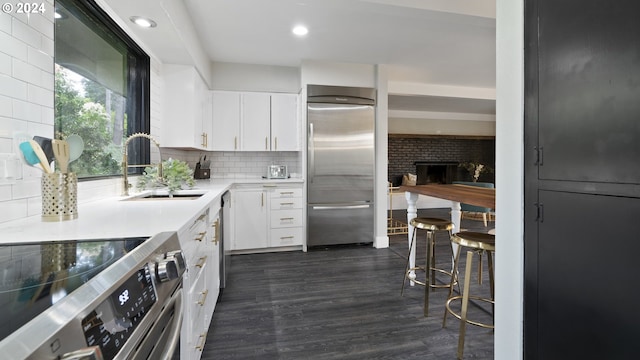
(340, 165)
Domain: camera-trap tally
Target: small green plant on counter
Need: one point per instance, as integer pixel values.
(175, 174)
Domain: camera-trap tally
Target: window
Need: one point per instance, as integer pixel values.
(101, 88)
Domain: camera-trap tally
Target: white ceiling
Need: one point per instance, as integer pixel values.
(442, 42)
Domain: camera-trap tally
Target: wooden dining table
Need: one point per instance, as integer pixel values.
(455, 194)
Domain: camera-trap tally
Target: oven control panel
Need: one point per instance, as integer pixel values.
(111, 323)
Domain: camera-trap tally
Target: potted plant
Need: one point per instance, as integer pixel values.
(175, 174)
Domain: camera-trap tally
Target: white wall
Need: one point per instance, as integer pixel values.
(248, 77)
(509, 180)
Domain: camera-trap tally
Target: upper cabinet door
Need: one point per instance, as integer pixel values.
(589, 76)
(284, 122)
(226, 121)
(256, 119)
(183, 108)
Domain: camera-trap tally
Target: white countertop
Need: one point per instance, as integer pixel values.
(114, 218)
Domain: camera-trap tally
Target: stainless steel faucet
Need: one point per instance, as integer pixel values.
(125, 162)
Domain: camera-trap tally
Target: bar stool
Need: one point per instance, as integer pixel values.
(478, 243)
(431, 225)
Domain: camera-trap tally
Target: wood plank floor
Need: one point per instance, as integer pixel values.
(339, 303)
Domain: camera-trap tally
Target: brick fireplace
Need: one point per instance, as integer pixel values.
(413, 154)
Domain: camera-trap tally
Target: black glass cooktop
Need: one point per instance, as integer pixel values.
(35, 276)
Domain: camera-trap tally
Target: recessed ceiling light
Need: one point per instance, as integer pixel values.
(143, 22)
(300, 30)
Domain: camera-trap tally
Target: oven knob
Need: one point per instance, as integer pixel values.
(167, 270)
(178, 258)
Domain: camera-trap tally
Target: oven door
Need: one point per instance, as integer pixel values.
(163, 338)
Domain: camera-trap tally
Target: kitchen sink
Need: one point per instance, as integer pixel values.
(164, 195)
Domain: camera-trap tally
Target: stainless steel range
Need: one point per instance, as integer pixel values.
(98, 299)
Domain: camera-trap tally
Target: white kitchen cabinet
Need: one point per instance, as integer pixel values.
(255, 121)
(225, 121)
(186, 109)
(250, 219)
(267, 217)
(201, 282)
(285, 134)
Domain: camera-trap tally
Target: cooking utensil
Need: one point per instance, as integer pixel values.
(61, 153)
(28, 155)
(20, 137)
(45, 144)
(41, 156)
(76, 146)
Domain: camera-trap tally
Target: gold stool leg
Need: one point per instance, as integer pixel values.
(491, 285)
(427, 267)
(465, 304)
(454, 279)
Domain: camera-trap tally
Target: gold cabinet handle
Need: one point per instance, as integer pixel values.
(262, 199)
(201, 236)
(201, 340)
(286, 219)
(276, 143)
(286, 204)
(286, 237)
(235, 143)
(201, 262)
(203, 297)
(216, 233)
(266, 143)
(286, 193)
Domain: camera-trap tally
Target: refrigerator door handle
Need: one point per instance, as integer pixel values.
(341, 207)
(312, 156)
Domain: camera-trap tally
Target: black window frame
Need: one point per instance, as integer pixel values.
(138, 105)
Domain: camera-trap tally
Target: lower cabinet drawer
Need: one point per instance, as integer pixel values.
(286, 236)
(197, 302)
(286, 218)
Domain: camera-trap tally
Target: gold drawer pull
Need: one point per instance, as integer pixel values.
(200, 236)
(286, 204)
(286, 219)
(203, 298)
(201, 340)
(216, 234)
(201, 262)
(286, 237)
(286, 193)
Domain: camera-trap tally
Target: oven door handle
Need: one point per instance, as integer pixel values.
(174, 336)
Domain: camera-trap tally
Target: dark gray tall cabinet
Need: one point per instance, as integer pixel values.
(582, 179)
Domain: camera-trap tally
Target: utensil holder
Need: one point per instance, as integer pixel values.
(59, 196)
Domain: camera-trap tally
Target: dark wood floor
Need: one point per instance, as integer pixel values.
(338, 303)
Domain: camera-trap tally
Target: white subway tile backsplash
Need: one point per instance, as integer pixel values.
(47, 116)
(48, 46)
(13, 87)
(6, 109)
(13, 47)
(25, 72)
(40, 59)
(42, 23)
(40, 96)
(34, 206)
(5, 24)
(26, 189)
(5, 192)
(25, 33)
(24, 110)
(13, 210)
(5, 64)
